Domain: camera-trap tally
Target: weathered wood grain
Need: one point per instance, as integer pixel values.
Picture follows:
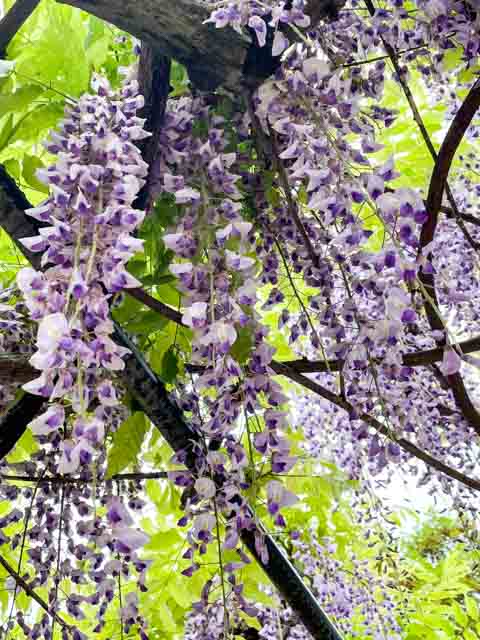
(177, 29)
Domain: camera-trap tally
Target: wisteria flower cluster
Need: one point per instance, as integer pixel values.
(217, 279)
(367, 311)
(349, 595)
(272, 204)
(85, 247)
(70, 543)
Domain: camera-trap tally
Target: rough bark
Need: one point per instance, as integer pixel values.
(13, 423)
(177, 29)
(13, 219)
(154, 80)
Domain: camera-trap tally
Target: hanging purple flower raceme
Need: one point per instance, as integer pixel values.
(85, 248)
(243, 418)
(366, 312)
(258, 17)
(86, 245)
(351, 594)
(97, 558)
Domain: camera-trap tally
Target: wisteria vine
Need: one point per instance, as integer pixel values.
(271, 201)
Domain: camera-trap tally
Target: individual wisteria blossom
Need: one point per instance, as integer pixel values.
(451, 362)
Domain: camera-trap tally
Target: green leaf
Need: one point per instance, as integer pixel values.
(30, 166)
(146, 323)
(97, 42)
(6, 132)
(169, 295)
(165, 542)
(178, 79)
(242, 346)
(169, 370)
(55, 53)
(460, 615)
(166, 211)
(35, 124)
(180, 592)
(167, 620)
(20, 99)
(471, 606)
(24, 448)
(127, 443)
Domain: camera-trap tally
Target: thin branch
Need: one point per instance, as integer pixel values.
(268, 151)
(438, 185)
(28, 515)
(438, 182)
(421, 126)
(293, 372)
(291, 204)
(57, 576)
(284, 369)
(119, 477)
(13, 21)
(23, 584)
(467, 217)
(397, 54)
(417, 358)
(10, 364)
(156, 305)
(404, 444)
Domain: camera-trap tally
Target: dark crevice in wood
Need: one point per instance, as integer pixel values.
(176, 29)
(154, 81)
